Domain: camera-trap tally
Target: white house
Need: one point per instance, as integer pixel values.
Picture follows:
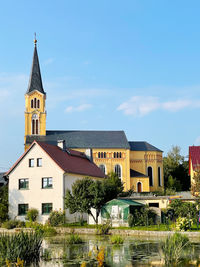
(40, 177)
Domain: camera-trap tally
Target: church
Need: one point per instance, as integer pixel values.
(138, 163)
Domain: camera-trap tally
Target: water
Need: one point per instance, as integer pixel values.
(133, 252)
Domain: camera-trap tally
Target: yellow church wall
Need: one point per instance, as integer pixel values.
(109, 162)
(29, 111)
(141, 160)
(143, 180)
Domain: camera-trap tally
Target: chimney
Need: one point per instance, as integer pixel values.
(88, 153)
(61, 144)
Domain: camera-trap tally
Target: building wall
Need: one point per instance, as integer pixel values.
(141, 160)
(110, 162)
(143, 180)
(35, 195)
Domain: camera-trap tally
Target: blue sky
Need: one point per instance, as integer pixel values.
(106, 65)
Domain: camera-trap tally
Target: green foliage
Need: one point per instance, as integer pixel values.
(117, 239)
(195, 187)
(74, 239)
(3, 203)
(11, 224)
(46, 254)
(103, 229)
(173, 249)
(32, 215)
(183, 209)
(144, 216)
(176, 175)
(25, 246)
(183, 224)
(87, 194)
(43, 229)
(56, 218)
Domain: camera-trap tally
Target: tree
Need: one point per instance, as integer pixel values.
(87, 194)
(195, 187)
(3, 203)
(176, 174)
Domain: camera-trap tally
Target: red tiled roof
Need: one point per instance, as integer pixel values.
(194, 157)
(70, 161)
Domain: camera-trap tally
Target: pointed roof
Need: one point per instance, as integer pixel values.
(35, 82)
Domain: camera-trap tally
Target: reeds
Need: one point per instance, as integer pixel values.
(25, 246)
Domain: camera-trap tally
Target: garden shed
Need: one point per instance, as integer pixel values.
(118, 210)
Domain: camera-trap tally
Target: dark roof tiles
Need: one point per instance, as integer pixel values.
(142, 146)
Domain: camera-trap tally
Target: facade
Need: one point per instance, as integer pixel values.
(40, 177)
(194, 161)
(138, 164)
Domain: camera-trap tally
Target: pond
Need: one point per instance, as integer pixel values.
(133, 252)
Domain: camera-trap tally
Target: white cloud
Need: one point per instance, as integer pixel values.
(139, 106)
(48, 61)
(80, 108)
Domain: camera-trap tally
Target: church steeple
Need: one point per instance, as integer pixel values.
(35, 98)
(35, 82)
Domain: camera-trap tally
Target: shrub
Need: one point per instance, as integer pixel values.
(117, 239)
(173, 248)
(32, 215)
(74, 239)
(56, 218)
(144, 216)
(43, 229)
(25, 246)
(183, 224)
(11, 224)
(103, 229)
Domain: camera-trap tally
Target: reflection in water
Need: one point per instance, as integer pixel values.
(134, 252)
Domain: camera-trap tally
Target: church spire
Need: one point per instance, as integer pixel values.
(35, 82)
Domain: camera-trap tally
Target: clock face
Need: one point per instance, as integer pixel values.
(34, 116)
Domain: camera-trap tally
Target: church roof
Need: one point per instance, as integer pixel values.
(134, 174)
(142, 146)
(84, 139)
(69, 161)
(35, 82)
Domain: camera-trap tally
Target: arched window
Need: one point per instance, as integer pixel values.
(99, 155)
(38, 103)
(150, 174)
(120, 155)
(104, 155)
(118, 171)
(103, 168)
(114, 155)
(35, 124)
(139, 187)
(159, 177)
(31, 103)
(35, 102)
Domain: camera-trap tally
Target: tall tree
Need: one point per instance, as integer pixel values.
(87, 194)
(176, 170)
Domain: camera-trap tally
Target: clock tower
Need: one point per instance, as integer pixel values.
(35, 98)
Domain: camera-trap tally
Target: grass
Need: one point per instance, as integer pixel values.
(74, 239)
(117, 239)
(24, 246)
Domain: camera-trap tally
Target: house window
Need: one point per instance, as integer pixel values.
(150, 174)
(39, 162)
(31, 162)
(159, 177)
(47, 182)
(103, 168)
(23, 183)
(46, 208)
(22, 209)
(118, 171)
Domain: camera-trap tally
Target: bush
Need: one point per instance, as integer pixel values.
(144, 216)
(32, 215)
(56, 218)
(183, 224)
(103, 229)
(173, 249)
(74, 239)
(25, 246)
(11, 224)
(43, 229)
(117, 239)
